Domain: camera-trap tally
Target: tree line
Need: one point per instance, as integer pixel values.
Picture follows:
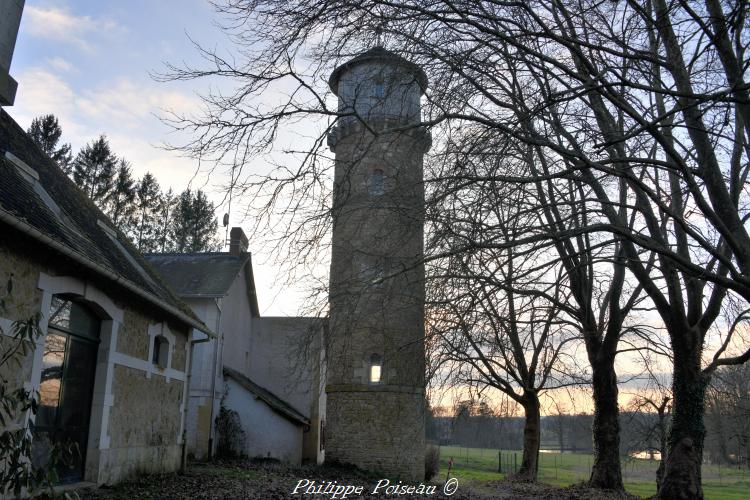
(586, 192)
(155, 220)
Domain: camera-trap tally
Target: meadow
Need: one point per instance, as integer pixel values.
(480, 465)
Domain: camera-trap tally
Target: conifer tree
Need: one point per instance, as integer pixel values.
(163, 242)
(193, 223)
(94, 169)
(145, 229)
(119, 202)
(45, 131)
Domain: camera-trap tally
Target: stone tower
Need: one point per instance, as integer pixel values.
(375, 389)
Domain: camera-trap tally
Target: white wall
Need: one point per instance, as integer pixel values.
(200, 379)
(286, 359)
(268, 434)
(236, 324)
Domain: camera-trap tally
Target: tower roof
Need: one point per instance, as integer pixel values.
(378, 54)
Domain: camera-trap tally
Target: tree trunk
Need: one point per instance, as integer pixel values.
(531, 438)
(606, 472)
(682, 469)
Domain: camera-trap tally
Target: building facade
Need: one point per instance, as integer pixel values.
(111, 359)
(375, 378)
(266, 369)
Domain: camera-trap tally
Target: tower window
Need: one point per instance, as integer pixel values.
(377, 182)
(379, 89)
(376, 368)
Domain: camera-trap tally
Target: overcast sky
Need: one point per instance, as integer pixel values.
(89, 63)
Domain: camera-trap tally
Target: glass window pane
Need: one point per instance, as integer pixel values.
(73, 317)
(52, 371)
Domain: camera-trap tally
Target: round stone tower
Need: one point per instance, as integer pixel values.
(375, 380)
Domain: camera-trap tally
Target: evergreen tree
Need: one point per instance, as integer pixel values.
(145, 229)
(163, 241)
(45, 131)
(193, 223)
(119, 202)
(94, 170)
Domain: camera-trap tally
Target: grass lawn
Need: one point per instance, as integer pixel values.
(478, 465)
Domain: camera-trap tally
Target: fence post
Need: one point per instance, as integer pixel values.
(515, 465)
(499, 461)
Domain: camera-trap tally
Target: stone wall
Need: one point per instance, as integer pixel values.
(381, 431)
(136, 410)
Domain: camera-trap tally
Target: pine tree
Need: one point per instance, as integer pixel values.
(193, 223)
(45, 131)
(119, 202)
(94, 170)
(165, 208)
(145, 229)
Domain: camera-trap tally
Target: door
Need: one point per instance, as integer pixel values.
(68, 364)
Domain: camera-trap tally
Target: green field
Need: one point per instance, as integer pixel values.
(478, 465)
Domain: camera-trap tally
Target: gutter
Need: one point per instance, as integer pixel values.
(99, 269)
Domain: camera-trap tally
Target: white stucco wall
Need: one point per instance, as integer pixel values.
(268, 434)
(236, 326)
(286, 359)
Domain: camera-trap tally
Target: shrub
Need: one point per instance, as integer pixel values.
(431, 461)
(230, 434)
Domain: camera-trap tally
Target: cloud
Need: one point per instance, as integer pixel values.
(62, 26)
(60, 64)
(129, 103)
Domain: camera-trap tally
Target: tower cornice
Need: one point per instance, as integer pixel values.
(378, 54)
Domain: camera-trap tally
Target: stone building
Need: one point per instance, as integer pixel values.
(111, 361)
(265, 369)
(375, 386)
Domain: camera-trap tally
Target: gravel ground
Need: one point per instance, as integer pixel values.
(258, 480)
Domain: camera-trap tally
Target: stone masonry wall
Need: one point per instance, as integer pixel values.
(144, 416)
(378, 431)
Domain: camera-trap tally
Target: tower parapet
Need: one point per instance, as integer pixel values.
(375, 391)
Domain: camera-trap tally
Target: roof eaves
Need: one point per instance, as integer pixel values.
(32, 232)
(272, 400)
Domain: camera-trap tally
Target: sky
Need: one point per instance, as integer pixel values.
(89, 62)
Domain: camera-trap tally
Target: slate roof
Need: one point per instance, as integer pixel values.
(273, 401)
(53, 211)
(377, 54)
(207, 274)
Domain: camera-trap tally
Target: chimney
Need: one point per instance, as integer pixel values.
(237, 241)
(10, 19)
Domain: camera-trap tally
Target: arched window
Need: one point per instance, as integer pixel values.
(376, 368)
(66, 384)
(377, 182)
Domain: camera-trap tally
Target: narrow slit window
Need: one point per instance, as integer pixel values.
(161, 351)
(379, 89)
(376, 368)
(377, 182)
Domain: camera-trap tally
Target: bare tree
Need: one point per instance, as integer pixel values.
(645, 103)
(493, 331)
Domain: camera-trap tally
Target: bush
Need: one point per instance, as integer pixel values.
(230, 435)
(431, 461)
